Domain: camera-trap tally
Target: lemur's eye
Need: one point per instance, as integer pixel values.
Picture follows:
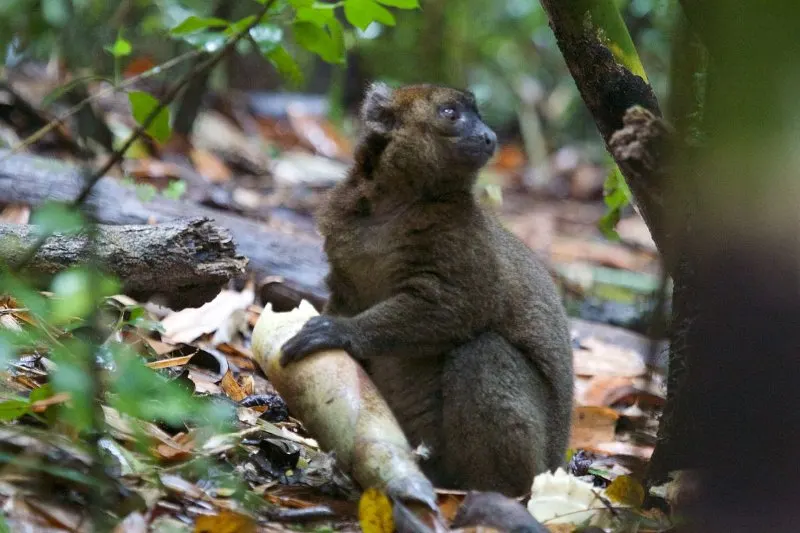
(449, 112)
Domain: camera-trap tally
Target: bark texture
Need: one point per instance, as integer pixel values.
(184, 263)
(296, 258)
(627, 114)
(608, 89)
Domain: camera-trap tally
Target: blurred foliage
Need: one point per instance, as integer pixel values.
(492, 47)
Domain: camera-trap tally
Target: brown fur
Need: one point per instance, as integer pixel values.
(456, 321)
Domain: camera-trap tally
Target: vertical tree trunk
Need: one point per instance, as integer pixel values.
(725, 218)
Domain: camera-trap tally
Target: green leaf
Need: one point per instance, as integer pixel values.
(142, 104)
(40, 393)
(145, 192)
(286, 65)
(611, 29)
(73, 377)
(24, 294)
(317, 40)
(616, 196)
(55, 12)
(401, 4)
(143, 393)
(266, 36)
(194, 24)
(57, 217)
(72, 295)
(320, 17)
(362, 13)
(120, 48)
(175, 189)
(13, 409)
(239, 25)
(207, 41)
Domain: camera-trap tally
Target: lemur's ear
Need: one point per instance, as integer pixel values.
(376, 111)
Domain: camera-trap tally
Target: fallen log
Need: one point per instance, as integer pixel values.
(182, 263)
(296, 258)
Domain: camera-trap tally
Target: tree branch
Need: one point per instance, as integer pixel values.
(183, 262)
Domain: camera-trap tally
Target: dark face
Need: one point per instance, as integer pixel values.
(440, 124)
(459, 124)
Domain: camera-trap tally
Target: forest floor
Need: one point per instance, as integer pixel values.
(273, 168)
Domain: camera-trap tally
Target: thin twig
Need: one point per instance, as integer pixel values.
(58, 121)
(197, 70)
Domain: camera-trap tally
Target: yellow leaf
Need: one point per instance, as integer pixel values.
(626, 490)
(375, 512)
(225, 522)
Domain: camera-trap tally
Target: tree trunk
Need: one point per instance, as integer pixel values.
(296, 258)
(725, 218)
(183, 263)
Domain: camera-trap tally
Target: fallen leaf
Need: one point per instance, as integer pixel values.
(160, 348)
(248, 384)
(225, 522)
(592, 425)
(596, 357)
(210, 166)
(317, 133)
(232, 387)
(600, 388)
(375, 512)
(187, 325)
(16, 214)
(169, 363)
(623, 448)
(449, 504)
(571, 250)
(41, 405)
(626, 490)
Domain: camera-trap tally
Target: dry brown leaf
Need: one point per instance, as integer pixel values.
(318, 134)
(204, 383)
(210, 166)
(571, 250)
(449, 504)
(536, 229)
(61, 516)
(509, 157)
(599, 388)
(232, 387)
(596, 357)
(41, 405)
(172, 452)
(623, 448)
(160, 348)
(225, 522)
(187, 325)
(592, 425)
(248, 384)
(153, 171)
(169, 363)
(16, 214)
